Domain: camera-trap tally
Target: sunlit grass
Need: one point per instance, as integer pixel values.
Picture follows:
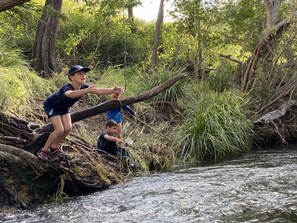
(19, 85)
(10, 57)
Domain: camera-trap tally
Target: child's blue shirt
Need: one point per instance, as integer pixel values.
(117, 114)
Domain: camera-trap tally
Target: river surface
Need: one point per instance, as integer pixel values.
(257, 187)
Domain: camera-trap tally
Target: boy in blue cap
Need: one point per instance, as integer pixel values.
(58, 105)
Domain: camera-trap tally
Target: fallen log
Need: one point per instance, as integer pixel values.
(112, 104)
(25, 179)
(276, 114)
(44, 131)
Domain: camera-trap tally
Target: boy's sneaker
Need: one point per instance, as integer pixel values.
(42, 154)
(58, 151)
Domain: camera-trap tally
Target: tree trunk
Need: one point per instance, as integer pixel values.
(130, 13)
(43, 55)
(8, 4)
(251, 64)
(272, 7)
(158, 33)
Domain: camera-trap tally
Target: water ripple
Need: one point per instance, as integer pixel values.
(258, 187)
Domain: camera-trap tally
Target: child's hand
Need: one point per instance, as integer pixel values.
(119, 140)
(91, 89)
(118, 90)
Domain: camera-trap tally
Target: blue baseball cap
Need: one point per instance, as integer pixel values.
(76, 69)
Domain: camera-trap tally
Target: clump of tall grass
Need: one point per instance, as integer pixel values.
(10, 57)
(222, 78)
(18, 86)
(158, 77)
(151, 146)
(217, 127)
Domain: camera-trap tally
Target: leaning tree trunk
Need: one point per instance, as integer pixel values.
(43, 55)
(25, 179)
(262, 47)
(272, 7)
(158, 33)
(8, 4)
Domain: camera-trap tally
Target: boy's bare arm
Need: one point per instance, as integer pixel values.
(104, 91)
(92, 89)
(112, 138)
(80, 92)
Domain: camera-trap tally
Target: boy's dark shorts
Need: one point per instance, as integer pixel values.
(54, 112)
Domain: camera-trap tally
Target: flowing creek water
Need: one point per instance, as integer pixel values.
(257, 187)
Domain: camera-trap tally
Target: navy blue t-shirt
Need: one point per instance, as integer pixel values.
(59, 101)
(106, 145)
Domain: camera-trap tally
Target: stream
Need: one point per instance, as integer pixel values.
(257, 187)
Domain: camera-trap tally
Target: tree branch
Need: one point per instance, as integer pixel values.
(7, 4)
(112, 104)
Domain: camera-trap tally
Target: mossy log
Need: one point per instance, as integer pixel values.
(25, 179)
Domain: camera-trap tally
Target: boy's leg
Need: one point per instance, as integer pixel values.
(56, 121)
(67, 127)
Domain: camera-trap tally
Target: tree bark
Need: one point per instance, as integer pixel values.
(272, 7)
(8, 4)
(251, 64)
(43, 55)
(158, 33)
(130, 13)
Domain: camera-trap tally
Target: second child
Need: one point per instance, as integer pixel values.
(108, 140)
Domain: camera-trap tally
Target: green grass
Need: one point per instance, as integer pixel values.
(216, 128)
(18, 86)
(157, 77)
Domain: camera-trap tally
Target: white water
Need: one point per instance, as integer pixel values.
(259, 187)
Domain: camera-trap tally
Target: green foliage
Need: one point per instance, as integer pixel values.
(175, 46)
(217, 127)
(199, 26)
(10, 57)
(222, 78)
(88, 37)
(19, 85)
(158, 77)
(19, 27)
(245, 21)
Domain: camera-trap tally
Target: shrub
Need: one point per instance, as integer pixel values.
(216, 127)
(222, 78)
